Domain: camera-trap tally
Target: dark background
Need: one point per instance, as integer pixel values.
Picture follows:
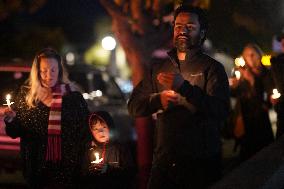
(30, 25)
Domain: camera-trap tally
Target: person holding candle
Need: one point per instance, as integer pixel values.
(49, 115)
(189, 94)
(252, 90)
(106, 163)
(277, 69)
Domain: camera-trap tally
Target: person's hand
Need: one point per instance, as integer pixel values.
(95, 168)
(233, 82)
(9, 114)
(170, 80)
(168, 97)
(273, 101)
(2, 110)
(247, 75)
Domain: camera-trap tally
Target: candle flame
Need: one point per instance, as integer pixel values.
(275, 94)
(98, 159)
(8, 97)
(8, 102)
(238, 74)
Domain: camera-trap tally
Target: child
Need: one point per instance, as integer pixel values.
(106, 164)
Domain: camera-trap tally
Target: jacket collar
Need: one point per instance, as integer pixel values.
(190, 54)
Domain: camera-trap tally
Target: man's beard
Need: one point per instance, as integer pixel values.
(183, 44)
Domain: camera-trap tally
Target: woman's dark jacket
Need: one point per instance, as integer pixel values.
(254, 104)
(192, 128)
(31, 126)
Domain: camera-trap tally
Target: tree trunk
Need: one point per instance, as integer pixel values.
(139, 37)
(144, 129)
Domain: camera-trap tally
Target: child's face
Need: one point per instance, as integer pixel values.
(100, 131)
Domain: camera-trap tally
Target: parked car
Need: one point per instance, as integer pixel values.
(102, 92)
(12, 76)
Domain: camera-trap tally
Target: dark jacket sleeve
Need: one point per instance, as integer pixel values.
(242, 88)
(277, 68)
(214, 100)
(126, 159)
(84, 114)
(13, 129)
(83, 111)
(143, 100)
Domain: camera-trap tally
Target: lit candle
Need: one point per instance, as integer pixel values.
(98, 159)
(275, 94)
(238, 74)
(8, 100)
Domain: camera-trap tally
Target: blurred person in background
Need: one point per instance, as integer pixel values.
(277, 69)
(50, 117)
(252, 128)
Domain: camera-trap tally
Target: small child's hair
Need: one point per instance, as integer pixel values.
(101, 116)
(94, 119)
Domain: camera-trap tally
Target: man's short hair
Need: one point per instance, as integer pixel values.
(194, 10)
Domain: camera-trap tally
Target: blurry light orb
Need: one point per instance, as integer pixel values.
(240, 62)
(86, 96)
(265, 60)
(108, 43)
(90, 76)
(18, 75)
(70, 56)
(99, 93)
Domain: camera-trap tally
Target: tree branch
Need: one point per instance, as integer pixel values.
(113, 9)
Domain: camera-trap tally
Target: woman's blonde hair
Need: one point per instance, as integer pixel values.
(255, 47)
(36, 92)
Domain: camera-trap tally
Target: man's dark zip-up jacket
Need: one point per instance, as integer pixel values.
(190, 129)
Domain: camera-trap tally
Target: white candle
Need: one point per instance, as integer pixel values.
(238, 74)
(275, 94)
(98, 159)
(8, 100)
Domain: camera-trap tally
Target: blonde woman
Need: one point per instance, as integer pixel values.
(49, 116)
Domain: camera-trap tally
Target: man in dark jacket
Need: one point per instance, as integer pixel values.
(189, 94)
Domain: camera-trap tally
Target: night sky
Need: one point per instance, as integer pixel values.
(79, 20)
(76, 18)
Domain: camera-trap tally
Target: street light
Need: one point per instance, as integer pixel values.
(109, 43)
(70, 58)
